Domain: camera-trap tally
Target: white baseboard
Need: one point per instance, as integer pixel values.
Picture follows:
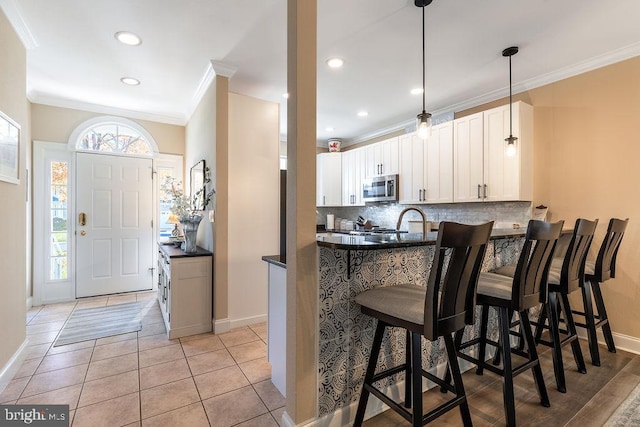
(225, 325)
(221, 326)
(622, 342)
(238, 323)
(12, 366)
(29, 303)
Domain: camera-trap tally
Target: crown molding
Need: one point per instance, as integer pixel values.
(591, 64)
(223, 69)
(12, 11)
(214, 68)
(205, 82)
(37, 98)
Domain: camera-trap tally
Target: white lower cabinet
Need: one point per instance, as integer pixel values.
(185, 290)
(426, 167)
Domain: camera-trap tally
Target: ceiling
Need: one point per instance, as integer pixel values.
(73, 59)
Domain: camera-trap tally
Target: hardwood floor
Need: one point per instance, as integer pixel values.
(590, 399)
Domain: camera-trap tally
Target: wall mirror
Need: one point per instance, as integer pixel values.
(198, 190)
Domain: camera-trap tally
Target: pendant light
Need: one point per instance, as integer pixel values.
(423, 122)
(511, 140)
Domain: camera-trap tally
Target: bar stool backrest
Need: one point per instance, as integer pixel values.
(572, 274)
(454, 307)
(530, 278)
(606, 262)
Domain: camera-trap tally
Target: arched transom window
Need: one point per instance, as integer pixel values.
(119, 136)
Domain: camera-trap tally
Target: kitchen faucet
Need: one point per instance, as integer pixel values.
(424, 219)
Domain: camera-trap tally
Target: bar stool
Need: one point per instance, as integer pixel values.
(441, 308)
(595, 273)
(562, 280)
(507, 295)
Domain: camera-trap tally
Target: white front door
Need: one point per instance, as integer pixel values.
(114, 246)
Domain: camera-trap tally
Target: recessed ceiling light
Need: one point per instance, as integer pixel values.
(130, 81)
(329, 129)
(362, 114)
(128, 38)
(285, 95)
(416, 91)
(335, 62)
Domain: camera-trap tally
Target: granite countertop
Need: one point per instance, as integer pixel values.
(172, 252)
(398, 240)
(278, 260)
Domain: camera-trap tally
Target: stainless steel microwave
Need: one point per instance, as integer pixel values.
(380, 189)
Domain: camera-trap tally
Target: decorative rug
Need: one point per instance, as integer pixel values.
(628, 413)
(99, 322)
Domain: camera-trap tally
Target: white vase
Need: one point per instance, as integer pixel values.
(190, 225)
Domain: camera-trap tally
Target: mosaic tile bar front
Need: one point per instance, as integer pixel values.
(346, 334)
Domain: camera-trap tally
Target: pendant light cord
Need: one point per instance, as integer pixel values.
(424, 80)
(510, 102)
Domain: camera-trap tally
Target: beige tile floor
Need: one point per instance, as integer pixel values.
(144, 379)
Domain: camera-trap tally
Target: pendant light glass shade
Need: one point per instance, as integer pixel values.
(423, 125)
(423, 122)
(511, 148)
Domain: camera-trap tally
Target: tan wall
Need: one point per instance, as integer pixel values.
(254, 202)
(55, 124)
(200, 143)
(586, 165)
(13, 208)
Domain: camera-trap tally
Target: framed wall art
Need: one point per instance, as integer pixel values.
(9, 149)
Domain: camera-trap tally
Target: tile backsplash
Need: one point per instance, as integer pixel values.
(504, 214)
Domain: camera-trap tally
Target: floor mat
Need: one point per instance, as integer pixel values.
(628, 413)
(99, 322)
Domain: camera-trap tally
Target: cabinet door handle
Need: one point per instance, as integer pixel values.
(424, 194)
(381, 168)
(420, 195)
(485, 191)
(479, 191)
(324, 200)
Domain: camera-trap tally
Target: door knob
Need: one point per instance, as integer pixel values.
(82, 218)
(83, 233)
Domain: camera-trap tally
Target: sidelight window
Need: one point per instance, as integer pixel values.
(58, 221)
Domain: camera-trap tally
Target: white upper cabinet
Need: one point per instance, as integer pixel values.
(426, 167)
(382, 158)
(353, 171)
(439, 165)
(412, 168)
(329, 179)
(468, 158)
(483, 171)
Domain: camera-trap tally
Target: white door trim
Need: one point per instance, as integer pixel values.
(43, 152)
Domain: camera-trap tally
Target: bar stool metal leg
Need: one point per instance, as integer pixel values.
(371, 370)
(573, 334)
(590, 323)
(602, 315)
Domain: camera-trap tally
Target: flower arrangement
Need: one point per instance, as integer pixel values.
(202, 198)
(181, 204)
